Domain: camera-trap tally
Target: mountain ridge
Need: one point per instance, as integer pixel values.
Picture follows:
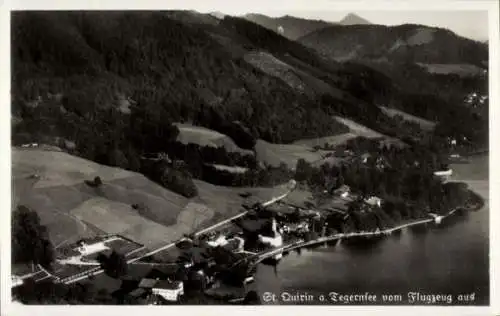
(407, 42)
(293, 27)
(353, 19)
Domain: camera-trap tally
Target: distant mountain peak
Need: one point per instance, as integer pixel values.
(353, 19)
(218, 14)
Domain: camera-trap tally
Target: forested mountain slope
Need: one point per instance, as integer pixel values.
(108, 85)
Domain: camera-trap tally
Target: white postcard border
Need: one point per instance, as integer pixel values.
(8, 308)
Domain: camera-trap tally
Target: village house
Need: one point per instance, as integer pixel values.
(31, 145)
(302, 227)
(342, 191)
(169, 290)
(373, 201)
(88, 249)
(364, 157)
(234, 244)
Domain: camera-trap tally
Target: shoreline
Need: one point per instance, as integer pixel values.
(480, 204)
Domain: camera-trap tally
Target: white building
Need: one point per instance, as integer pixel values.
(219, 241)
(88, 249)
(169, 290)
(444, 174)
(16, 281)
(273, 241)
(343, 191)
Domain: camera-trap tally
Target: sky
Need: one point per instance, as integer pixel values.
(467, 18)
(471, 24)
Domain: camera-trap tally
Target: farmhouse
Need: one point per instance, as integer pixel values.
(167, 289)
(88, 249)
(232, 244)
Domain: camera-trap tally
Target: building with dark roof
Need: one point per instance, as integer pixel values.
(169, 290)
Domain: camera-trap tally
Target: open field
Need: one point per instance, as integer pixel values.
(232, 169)
(358, 129)
(73, 210)
(334, 140)
(59, 168)
(228, 202)
(459, 69)
(424, 124)
(117, 218)
(275, 154)
(206, 137)
(361, 130)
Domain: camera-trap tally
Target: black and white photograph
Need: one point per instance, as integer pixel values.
(249, 154)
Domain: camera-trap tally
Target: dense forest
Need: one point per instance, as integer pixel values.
(107, 86)
(402, 177)
(83, 76)
(399, 43)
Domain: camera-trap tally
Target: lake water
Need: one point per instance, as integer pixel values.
(450, 260)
